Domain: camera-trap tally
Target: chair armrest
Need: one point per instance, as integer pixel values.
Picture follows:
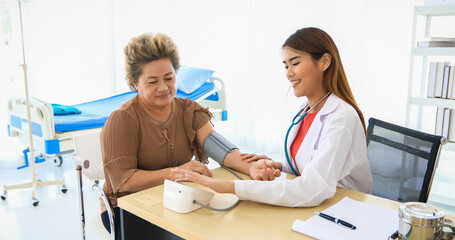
(110, 211)
(80, 162)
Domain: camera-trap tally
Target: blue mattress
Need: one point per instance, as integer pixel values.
(94, 114)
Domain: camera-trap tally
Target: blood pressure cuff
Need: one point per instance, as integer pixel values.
(217, 147)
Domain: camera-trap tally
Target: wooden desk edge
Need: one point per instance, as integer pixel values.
(134, 209)
(132, 206)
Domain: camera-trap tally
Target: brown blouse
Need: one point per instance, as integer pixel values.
(132, 140)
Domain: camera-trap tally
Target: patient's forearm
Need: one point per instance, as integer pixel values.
(233, 160)
(142, 179)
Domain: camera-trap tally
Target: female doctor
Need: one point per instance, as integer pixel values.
(325, 145)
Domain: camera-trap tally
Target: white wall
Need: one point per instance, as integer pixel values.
(75, 51)
(241, 40)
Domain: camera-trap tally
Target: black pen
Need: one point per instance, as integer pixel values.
(336, 220)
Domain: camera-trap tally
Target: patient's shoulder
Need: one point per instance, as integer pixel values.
(185, 102)
(126, 112)
(193, 112)
(121, 116)
(129, 105)
(188, 105)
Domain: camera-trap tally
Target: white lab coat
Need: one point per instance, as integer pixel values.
(333, 153)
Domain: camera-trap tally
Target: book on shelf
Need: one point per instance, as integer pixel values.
(439, 121)
(446, 122)
(440, 39)
(450, 94)
(431, 79)
(443, 118)
(445, 81)
(437, 42)
(439, 79)
(451, 137)
(424, 44)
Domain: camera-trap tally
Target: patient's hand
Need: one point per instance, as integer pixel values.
(191, 166)
(250, 157)
(264, 170)
(218, 185)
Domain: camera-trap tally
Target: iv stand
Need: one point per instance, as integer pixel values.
(35, 184)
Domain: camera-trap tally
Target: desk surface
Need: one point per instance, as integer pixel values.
(247, 219)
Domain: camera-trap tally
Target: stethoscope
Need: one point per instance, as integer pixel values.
(294, 122)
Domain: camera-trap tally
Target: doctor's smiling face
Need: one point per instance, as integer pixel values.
(157, 84)
(304, 73)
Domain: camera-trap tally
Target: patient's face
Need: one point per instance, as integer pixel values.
(304, 73)
(157, 85)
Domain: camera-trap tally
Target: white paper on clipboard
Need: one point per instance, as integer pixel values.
(372, 222)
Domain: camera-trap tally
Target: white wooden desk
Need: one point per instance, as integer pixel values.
(248, 219)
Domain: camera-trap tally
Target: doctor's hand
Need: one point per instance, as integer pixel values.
(217, 185)
(265, 170)
(250, 157)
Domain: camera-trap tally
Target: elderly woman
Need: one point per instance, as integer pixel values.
(154, 132)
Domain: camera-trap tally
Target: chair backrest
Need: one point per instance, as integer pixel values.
(87, 146)
(402, 161)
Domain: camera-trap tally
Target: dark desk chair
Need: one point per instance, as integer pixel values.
(402, 161)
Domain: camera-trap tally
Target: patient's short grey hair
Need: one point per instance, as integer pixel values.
(146, 48)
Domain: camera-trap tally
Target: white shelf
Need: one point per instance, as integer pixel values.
(427, 13)
(434, 51)
(436, 102)
(446, 10)
(449, 146)
(421, 77)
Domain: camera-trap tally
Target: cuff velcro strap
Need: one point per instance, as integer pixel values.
(217, 147)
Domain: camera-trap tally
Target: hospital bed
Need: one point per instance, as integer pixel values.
(53, 135)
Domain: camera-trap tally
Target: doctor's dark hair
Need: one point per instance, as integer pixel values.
(316, 42)
(146, 48)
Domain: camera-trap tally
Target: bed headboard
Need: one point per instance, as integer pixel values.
(42, 120)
